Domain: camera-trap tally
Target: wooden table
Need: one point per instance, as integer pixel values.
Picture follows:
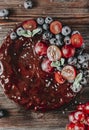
(71, 12)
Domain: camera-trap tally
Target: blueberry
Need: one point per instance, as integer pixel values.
(13, 35)
(85, 65)
(83, 81)
(48, 20)
(72, 61)
(40, 20)
(28, 4)
(3, 113)
(59, 36)
(75, 32)
(53, 41)
(41, 30)
(78, 66)
(86, 56)
(67, 40)
(59, 43)
(20, 29)
(45, 26)
(4, 12)
(47, 35)
(86, 73)
(76, 89)
(66, 30)
(81, 59)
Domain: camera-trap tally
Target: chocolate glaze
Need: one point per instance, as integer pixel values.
(23, 79)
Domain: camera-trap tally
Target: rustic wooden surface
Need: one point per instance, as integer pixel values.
(71, 12)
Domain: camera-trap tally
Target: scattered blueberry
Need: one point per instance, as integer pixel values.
(28, 4)
(40, 20)
(66, 30)
(85, 65)
(48, 20)
(81, 59)
(47, 35)
(13, 35)
(3, 113)
(83, 81)
(4, 12)
(53, 41)
(45, 26)
(20, 29)
(72, 61)
(86, 73)
(67, 40)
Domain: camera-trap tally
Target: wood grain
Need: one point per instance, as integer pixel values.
(74, 13)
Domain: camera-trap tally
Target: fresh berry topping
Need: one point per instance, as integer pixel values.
(1, 68)
(66, 30)
(79, 126)
(58, 77)
(68, 51)
(87, 120)
(72, 60)
(46, 66)
(47, 35)
(68, 72)
(45, 26)
(13, 35)
(54, 53)
(83, 81)
(77, 40)
(41, 48)
(19, 30)
(40, 20)
(70, 126)
(80, 107)
(86, 108)
(29, 24)
(48, 20)
(72, 118)
(55, 27)
(79, 116)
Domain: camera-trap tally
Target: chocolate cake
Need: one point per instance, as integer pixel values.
(43, 64)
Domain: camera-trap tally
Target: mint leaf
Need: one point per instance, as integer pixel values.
(35, 31)
(57, 64)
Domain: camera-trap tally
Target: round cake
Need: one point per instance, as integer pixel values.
(43, 64)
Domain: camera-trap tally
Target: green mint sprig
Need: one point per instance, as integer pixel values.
(28, 33)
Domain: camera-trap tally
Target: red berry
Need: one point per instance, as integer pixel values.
(54, 53)
(56, 27)
(59, 78)
(46, 66)
(79, 116)
(70, 126)
(68, 51)
(87, 120)
(68, 72)
(86, 108)
(72, 118)
(41, 48)
(79, 126)
(76, 40)
(29, 24)
(80, 107)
